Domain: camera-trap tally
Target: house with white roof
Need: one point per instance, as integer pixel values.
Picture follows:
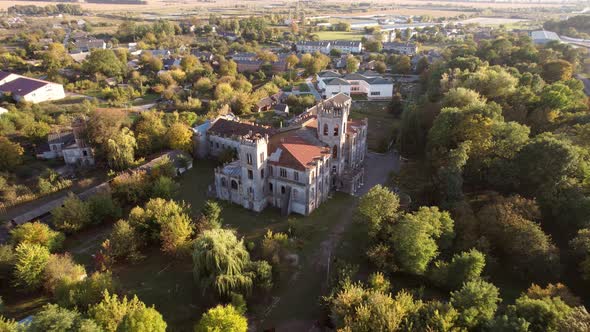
(543, 37)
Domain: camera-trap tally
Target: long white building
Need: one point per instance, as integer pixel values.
(29, 89)
(368, 83)
(294, 168)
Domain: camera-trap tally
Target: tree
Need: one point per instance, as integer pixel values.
(417, 237)
(30, 262)
(103, 61)
(477, 302)
(228, 68)
(37, 233)
(120, 149)
(56, 57)
(149, 132)
(103, 208)
(534, 167)
(124, 242)
(402, 65)
(580, 245)
(103, 125)
(355, 308)
(578, 320)
(61, 268)
(380, 67)
(511, 229)
(53, 318)
(463, 267)
(378, 206)
(292, 61)
(557, 70)
(221, 261)
(9, 325)
(111, 311)
(434, 316)
(222, 319)
(142, 319)
(462, 97)
(81, 294)
(180, 137)
(352, 64)
(212, 212)
(72, 216)
(148, 221)
(11, 154)
(544, 314)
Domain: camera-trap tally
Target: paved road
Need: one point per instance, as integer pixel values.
(312, 88)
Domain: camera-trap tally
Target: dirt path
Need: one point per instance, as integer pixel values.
(312, 275)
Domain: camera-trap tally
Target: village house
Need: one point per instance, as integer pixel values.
(269, 102)
(368, 83)
(87, 44)
(29, 89)
(294, 169)
(69, 145)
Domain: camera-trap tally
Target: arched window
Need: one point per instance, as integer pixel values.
(223, 182)
(282, 189)
(336, 130)
(234, 184)
(325, 129)
(335, 151)
(270, 187)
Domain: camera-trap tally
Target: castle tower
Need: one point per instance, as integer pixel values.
(332, 117)
(253, 157)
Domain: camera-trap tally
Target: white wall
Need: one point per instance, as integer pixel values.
(51, 91)
(385, 91)
(332, 90)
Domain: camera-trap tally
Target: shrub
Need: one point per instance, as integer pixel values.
(61, 268)
(103, 208)
(72, 216)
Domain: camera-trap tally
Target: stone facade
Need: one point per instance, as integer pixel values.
(294, 169)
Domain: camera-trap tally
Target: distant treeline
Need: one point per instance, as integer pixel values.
(576, 26)
(62, 8)
(124, 2)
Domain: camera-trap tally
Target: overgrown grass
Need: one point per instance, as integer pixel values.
(382, 124)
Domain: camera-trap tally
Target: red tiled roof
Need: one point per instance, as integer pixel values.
(297, 153)
(227, 128)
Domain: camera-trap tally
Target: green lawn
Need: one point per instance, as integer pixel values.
(339, 35)
(382, 124)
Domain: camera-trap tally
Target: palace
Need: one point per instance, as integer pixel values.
(293, 168)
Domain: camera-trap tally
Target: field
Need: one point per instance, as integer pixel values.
(339, 35)
(444, 8)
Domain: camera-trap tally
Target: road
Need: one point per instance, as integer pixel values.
(377, 170)
(586, 82)
(312, 88)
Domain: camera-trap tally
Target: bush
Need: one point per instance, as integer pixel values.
(61, 268)
(72, 216)
(83, 294)
(37, 233)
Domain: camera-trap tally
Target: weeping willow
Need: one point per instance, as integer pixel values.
(221, 262)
